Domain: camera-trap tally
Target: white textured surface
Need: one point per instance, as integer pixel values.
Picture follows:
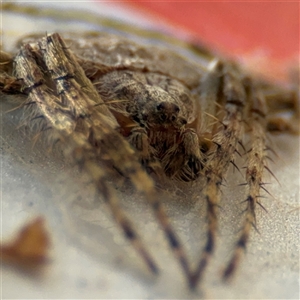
(90, 258)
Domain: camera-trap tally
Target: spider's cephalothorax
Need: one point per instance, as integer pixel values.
(108, 98)
(160, 112)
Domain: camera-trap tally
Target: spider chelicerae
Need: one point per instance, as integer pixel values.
(151, 113)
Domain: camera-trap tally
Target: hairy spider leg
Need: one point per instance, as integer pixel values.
(266, 105)
(64, 119)
(254, 171)
(230, 93)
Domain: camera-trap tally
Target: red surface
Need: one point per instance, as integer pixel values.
(250, 29)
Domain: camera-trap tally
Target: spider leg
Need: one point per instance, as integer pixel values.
(283, 115)
(81, 125)
(184, 161)
(64, 120)
(254, 171)
(138, 138)
(229, 92)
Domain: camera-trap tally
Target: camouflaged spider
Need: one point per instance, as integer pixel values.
(141, 108)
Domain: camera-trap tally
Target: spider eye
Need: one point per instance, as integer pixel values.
(124, 91)
(183, 121)
(161, 106)
(163, 117)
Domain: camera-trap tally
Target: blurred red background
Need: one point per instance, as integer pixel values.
(262, 34)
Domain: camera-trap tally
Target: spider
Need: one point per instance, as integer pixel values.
(149, 112)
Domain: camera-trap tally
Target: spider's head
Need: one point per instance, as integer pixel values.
(169, 113)
(161, 110)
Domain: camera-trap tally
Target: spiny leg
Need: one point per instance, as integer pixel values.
(230, 93)
(98, 129)
(62, 119)
(138, 138)
(254, 171)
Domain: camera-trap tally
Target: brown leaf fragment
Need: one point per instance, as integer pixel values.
(29, 250)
